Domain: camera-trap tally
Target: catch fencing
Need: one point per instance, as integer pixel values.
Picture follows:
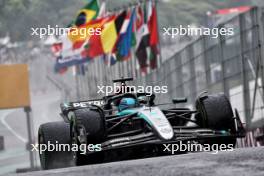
(229, 64)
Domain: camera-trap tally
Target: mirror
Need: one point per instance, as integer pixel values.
(179, 100)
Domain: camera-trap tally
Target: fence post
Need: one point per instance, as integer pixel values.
(205, 59)
(260, 18)
(28, 112)
(192, 69)
(221, 43)
(245, 82)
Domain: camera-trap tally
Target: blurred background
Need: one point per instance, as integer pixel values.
(188, 65)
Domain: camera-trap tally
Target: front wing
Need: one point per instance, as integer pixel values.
(180, 134)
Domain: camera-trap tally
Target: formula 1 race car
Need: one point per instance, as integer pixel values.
(130, 125)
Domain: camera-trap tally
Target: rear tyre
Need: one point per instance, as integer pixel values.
(55, 133)
(215, 112)
(87, 127)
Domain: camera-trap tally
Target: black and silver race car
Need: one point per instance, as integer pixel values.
(131, 125)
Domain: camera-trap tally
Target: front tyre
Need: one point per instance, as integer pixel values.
(55, 133)
(87, 127)
(215, 112)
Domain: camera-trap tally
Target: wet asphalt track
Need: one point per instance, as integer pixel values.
(241, 162)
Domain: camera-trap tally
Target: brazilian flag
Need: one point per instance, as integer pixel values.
(87, 13)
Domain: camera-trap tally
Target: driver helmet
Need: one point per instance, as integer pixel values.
(126, 103)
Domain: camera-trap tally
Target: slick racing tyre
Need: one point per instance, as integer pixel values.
(215, 112)
(55, 133)
(87, 127)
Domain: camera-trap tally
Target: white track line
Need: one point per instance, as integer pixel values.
(3, 121)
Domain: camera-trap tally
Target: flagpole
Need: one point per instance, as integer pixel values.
(160, 56)
(76, 82)
(102, 13)
(134, 59)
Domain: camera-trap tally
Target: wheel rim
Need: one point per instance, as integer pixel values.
(74, 142)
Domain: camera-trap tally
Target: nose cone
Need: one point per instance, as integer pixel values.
(166, 133)
(158, 122)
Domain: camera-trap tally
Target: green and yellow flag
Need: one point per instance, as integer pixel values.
(87, 13)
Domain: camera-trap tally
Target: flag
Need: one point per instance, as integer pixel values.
(72, 52)
(142, 37)
(119, 24)
(120, 20)
(147, 36)
(153, 36)
(126, 36)
(112, 59)
(109, 59)
(153, 26)
(142, 55)
(142, 30)
(56, 49)
(87, 13)
(109, 36)
(74, 43)
(153, 57)
(104, 43)
(124, 23)
(64, 62)
(139, 17)
(134, 39)
(79, 34)
(85, 20)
